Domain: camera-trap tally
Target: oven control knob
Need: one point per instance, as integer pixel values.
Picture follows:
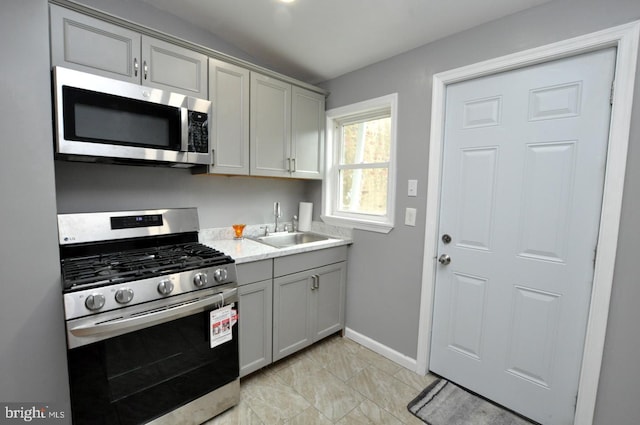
(124, 295)
(165, 287)
(200, 279)
(94, 302)
(220, 275)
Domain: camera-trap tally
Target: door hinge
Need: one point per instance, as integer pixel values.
(611, 93)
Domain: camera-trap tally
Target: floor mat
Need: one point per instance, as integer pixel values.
(444, 403)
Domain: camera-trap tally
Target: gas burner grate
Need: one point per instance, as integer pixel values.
(125, 266)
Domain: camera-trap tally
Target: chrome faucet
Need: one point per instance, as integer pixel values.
(277, 214)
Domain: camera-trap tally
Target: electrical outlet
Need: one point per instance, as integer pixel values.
(412, 188)
(410, 217)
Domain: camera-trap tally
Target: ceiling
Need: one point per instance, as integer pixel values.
(317, 40)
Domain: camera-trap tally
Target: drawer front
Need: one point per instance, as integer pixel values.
(254, 271)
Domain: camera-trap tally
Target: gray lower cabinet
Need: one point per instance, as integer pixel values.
(88, 44)
(307, 305)
(255, 304)
(288, 303)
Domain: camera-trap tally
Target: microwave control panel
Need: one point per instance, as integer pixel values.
(198, 132)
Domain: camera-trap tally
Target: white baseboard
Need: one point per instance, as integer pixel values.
(383, 350)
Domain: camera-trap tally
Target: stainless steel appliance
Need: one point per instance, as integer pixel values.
(99, 119)
(151, 318)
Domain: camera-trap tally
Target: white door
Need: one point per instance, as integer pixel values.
(523, 168)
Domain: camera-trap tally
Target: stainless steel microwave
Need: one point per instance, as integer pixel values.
(99, 119)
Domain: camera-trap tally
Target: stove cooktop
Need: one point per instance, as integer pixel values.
(91, 271)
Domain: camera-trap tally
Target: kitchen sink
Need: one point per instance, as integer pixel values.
(283, 240)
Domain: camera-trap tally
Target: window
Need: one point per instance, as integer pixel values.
(359, 190)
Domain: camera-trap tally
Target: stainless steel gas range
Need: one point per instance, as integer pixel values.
(151, 318)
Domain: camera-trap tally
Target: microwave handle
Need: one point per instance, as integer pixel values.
(184, 120)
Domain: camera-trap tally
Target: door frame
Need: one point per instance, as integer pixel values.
(625, 38)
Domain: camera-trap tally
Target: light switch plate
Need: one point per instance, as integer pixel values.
(412, 188)
(410, 216)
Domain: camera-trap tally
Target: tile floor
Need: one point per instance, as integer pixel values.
(335, 381)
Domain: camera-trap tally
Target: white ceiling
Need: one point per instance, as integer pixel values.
(316, 40)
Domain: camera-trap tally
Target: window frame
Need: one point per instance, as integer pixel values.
(368, 109)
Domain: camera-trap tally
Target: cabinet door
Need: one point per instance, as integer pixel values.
(292, 327)
(229, 95)
(88, 44)
(174, 68)
(255, 326)
(329, 299)
(270, 131)
(307, 133)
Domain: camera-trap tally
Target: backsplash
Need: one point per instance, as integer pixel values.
(253, 230)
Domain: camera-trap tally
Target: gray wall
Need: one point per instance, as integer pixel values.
(221, 200)
(32, 340)
(372, 291)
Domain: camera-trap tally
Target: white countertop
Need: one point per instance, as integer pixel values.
(247, 250)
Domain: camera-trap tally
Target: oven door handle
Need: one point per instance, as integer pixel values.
(121, 326)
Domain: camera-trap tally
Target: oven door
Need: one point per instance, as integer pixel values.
(158, 360)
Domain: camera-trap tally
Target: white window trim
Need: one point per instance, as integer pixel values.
(381, 224)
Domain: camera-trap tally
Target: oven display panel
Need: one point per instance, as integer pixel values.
(133, 221)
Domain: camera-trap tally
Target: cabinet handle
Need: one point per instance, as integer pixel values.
(289, 164)
(317, 281)
(314, 282)
(293, 161)
(213, 157)
(145, 68)
(135, 67)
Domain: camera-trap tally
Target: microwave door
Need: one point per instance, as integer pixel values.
(103, 120)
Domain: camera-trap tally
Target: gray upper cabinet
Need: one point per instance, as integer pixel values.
(270, 134)
(167, 66)
(307, 133)
(88, 44)
(91, 45)
(229, 94)
(286, 131)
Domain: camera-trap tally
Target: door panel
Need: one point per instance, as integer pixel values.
(532, 333)
(549, 175)
(477, 185)
(523, 168)
(467, 314)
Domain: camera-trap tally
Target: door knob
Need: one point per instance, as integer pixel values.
(444, 259)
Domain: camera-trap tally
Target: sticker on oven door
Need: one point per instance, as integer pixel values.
(220, 326)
